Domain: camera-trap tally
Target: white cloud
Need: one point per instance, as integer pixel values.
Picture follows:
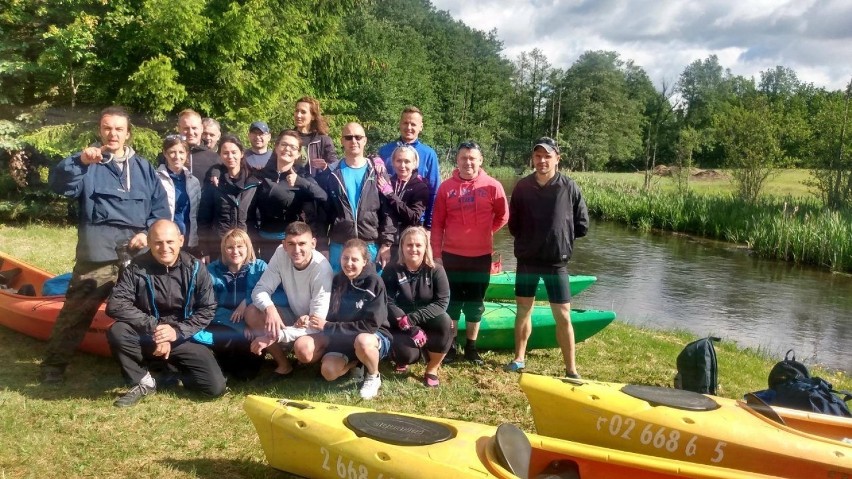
(812, 37)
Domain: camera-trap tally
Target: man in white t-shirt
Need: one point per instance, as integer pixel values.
(306, 278)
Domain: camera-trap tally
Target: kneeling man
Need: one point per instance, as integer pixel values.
(162, 299)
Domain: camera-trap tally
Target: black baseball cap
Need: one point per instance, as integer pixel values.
(549, 144)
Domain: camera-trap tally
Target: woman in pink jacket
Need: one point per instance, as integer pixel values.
(469, 208)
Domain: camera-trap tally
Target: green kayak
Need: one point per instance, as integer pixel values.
(497, 330)
(502, 286)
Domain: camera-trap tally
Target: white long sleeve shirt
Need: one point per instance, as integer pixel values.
(308, 290)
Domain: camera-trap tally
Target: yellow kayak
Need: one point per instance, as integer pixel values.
(688, 426)
(320, 440)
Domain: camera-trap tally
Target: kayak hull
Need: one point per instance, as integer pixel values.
(35, 316)
(321, 440)
(497, 328)
(731, 435)
(502, 286)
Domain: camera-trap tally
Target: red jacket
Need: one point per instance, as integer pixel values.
(466, 215)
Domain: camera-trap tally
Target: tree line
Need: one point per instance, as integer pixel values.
(365, 60)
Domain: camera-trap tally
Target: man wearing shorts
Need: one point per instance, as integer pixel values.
(306, 278)
(546, 213)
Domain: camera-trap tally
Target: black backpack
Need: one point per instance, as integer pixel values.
(794, 388)
(787, 370)
(696, 367)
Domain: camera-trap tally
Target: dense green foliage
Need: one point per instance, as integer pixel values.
(791, 229)
(366, 59)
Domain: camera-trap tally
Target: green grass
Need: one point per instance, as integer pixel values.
(73, 430)
(782, 183)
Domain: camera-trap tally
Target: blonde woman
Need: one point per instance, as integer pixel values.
(418, 295)
(234, 276)
(407, 193)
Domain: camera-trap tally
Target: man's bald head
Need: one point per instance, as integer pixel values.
(165, 241)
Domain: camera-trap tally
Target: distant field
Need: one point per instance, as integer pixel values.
(781, 183)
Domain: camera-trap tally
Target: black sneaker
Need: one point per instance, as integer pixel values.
(472, 355)
(135, 395)
(52, 375)
(451, 355)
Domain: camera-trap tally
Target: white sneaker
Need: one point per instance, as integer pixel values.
(370, 388)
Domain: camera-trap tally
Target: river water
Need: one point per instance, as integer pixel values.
(668, 281)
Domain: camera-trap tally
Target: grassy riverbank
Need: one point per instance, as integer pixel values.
(786, 223)
(73, 430)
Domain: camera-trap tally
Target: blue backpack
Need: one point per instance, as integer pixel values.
(791, 386)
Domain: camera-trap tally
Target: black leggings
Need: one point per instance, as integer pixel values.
(233, 352)
(439, 338)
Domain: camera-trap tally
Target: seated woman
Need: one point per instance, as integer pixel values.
(418, 295)
(182, 188)
(286, 194)
(406, 192)
(234, 277)
(357, 325)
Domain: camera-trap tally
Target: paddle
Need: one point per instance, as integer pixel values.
(760, 406)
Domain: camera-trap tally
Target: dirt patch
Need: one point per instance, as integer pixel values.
(663, 170)
(709, 175)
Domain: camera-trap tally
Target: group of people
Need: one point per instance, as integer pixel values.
(282, 248)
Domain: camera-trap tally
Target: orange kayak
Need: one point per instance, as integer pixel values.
(36, 315)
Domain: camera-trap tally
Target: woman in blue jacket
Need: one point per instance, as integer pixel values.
(234, 276)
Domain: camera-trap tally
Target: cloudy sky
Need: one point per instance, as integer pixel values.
(813, 37)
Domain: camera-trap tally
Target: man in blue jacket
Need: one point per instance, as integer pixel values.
(119, 197)
(161, 300)
(546, 213)
(410, 126)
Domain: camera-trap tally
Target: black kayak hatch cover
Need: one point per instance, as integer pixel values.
(398, 429)
(676, 398)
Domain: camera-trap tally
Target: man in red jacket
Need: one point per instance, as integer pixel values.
(469, 208)
(547, 213)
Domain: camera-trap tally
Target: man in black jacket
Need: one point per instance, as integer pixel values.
(354, 207)
(201, 158)
(162, 299)
(546, 213)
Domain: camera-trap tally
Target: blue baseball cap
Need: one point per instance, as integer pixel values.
(259, 125)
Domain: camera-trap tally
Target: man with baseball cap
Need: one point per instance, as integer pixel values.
(546, 213)
(258, 155)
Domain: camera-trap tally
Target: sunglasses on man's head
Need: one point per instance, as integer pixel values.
(353, 137)
(469, 145)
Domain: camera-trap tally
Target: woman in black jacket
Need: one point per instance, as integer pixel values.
(286, 194)
(418, 295)
(406, 192)
(357, 325)
(228, 197)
